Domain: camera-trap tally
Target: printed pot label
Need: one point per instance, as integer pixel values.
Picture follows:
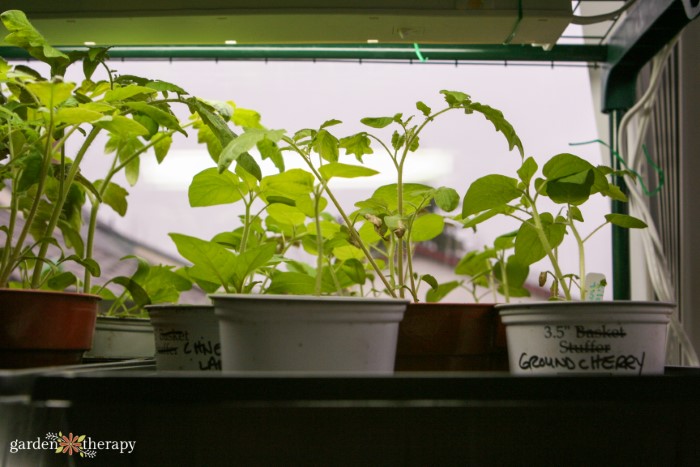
(587, 348)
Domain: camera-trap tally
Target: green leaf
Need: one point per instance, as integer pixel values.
(505, 241)
(397, 140)
(338, 169)
(436, 294)
(286, 214)
(249, 164)
(430, 280)
(501, 124)
(348, 252)
(489, 192)
(161, 117)
(23, 34)
(214, 131)
(164, 87)
(626, 221)
(427, 227)
(329, 123)
(31, 171)
(72, 237)
(572, 189)
(358, 144)
(291, 183)
(211, 188)
(455, 98)
(425, 110)
(270, 150)
(292, 283)
(528, 246)
(161, 145)
(326, 145)
(446, 199)
(472, 222)
(238, 146)
(62, 281)
(90, 264)
(328, 229)
(122, 126)
(250, 261)
(212, 262)
(76, 115)
(307, 205)
(138, 294)
(563, 165)
(143, 268)
(527, 170)
(246, 118)
(475, 263)
(355, 270)
(51, 94)
(377, 122)
(131, 171)
(125, 92)
(575, 213)
(414, 194)
(516, 271)
(368, 234)
(615, 193)
(114, 196)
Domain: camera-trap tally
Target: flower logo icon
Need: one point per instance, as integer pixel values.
(70, 444)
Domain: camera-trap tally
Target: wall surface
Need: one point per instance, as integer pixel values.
(690, 169)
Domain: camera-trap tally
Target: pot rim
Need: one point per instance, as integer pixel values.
(57, 293)
(307, 298)
(177, 308)
(616, 305)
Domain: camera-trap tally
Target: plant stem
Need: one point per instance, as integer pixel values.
(246, 226)
(351, 228)
(504, 277)
(581, 258)
(356, 237)
(319, 245)
(548, 249)
(29, 218)
(334, 276)
(87, 279)
(14, 208)
(56, 213)
(400, 243)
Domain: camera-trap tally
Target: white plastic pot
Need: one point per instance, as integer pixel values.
(122, 338)
(612, 337)
(186, 337)
(308, 333)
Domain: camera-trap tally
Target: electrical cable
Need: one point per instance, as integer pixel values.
(633, 136)
(584, 20)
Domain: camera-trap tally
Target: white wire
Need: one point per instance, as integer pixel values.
(583, 20)
(631, 136)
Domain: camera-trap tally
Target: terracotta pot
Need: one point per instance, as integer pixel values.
(451, 337)
(43, 328)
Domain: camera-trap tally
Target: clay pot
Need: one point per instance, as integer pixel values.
(43, 328)
(451, 337)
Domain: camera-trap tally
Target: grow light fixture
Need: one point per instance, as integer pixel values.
(208, 22)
